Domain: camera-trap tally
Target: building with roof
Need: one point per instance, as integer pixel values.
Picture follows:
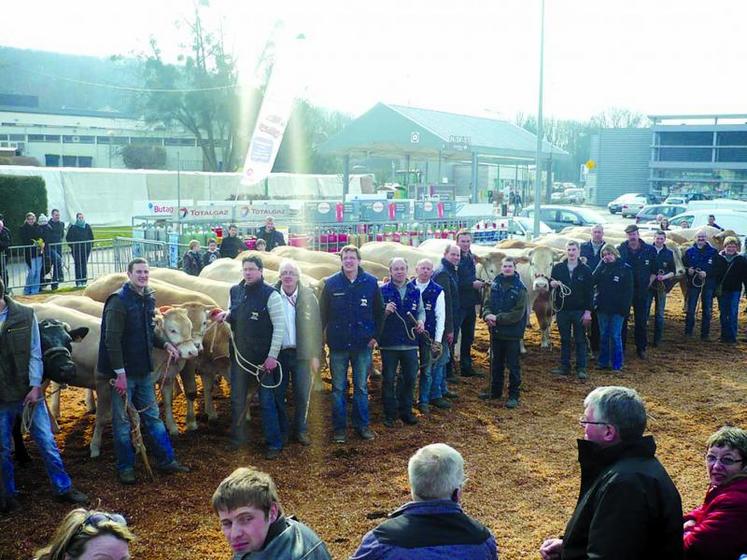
(472, 154)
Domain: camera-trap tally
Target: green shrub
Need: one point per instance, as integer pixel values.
(19, 195)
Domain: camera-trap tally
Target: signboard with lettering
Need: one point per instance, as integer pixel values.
(258, 212)
(204, 213)
(376, 211)
(332, 212)
(160, 208)
(434, 209)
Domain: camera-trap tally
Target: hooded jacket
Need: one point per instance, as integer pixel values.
(628, 507)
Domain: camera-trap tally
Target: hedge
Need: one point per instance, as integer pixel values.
(19, 195)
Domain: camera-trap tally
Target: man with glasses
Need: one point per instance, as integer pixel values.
(628, 506)
(433, 524)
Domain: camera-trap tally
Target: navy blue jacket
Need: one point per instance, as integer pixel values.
(273, 238)
(395, 332)
(581, 297)
(665, 265)
(704, 259)
(432, 529)
(586, 249)
(250, 320)
(643, 263)
(429, 296)
(614, 288)
(352, 312)
(447, 277)
(510, 308)
(138, 336)
(468, 296)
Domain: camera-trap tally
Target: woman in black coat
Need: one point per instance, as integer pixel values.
(80, 238)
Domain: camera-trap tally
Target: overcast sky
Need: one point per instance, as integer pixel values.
(478, 57)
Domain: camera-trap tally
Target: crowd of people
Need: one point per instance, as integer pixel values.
(279, 332)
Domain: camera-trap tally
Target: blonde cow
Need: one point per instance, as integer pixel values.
(165, 293)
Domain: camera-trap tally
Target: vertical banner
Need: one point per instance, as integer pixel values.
(276, 109)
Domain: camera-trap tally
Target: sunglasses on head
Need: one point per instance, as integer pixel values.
(97, 518)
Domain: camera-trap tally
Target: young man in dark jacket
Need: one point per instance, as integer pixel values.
(232, 245)
(573, 298)
(272, 237)
(505, 312)
(54, 234)
(642, 259)
(446, 276)
(665, 270)
(253, 522)
(591, 256)
(628, 506)
(700, 263)
(80, 239)
(469, 296)
(433, 524)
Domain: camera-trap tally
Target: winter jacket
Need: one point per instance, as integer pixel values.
(273, 238)
(580, 282)
(467, 274)
(429, 530)
(54, 232)
(508, 302)
(643, 264)
(308, 324)
(731, 276)
(628, 507)
(614, 288)
(703, 259)
(77, 236)
(720, 530)
(192, 263)
(210, 257)
(446, 277)
(289, 539)
(586, 249)
(230, 247)
(6, 240)
(395, 333)
(664, 263)
(28, 235)
(250, 320)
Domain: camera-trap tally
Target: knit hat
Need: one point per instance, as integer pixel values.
(42, 219)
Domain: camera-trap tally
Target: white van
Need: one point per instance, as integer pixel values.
(727, 219)
(718, 203)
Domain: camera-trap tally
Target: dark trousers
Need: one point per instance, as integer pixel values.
(505, 352)
(467, 328)
(397, 386)
(705, 295)
(594, 332)
(81, 268)
(640, 310)
(572, 321)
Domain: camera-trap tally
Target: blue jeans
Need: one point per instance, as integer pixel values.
(41, 431)
(610, 340)
(438, 376)
(660, 297)
(56, 258)
(426, 379)
(142, 395)
(728, 305)
(705, 294)
(397, 389)
(33, 277)
(505, 351)
(360, 360)
(568, 320)
(640, 312)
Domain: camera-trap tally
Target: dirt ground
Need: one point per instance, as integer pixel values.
(522, 469)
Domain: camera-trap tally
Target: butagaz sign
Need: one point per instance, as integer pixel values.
(203, 213)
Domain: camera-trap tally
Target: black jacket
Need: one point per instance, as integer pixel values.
(643, 264)
(450, 285)
(273, 238)
(581, 297)
(231, 246)
(732, 276)
(80, 238)
(614, 288)
(6, 240)
(628, 507)
(54, 232)
(28, 235)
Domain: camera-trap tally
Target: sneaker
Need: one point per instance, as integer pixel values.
(581, 374)
(450, 395)
(424, 409)
(441, 403)
(366, 433)
(488, 396)
(303, 438)
(389, 422)
(272, 454)
(339, 437)
(127, 476)
(560, 371)
(174, 467)
(410, 420)
(513, 402)
(72, 496)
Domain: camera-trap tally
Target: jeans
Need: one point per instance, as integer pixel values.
(728, 305)
(568, 320)
(240, 382)
(33, 277)
(360, 360)
(660, 297)
(142, 395)
(610, 335)
(41, 432)
(467, 328)
(426, 377)
(640, 311)
(56, 258)
(272, 401)
(505, 351)
(397, 387)
(438, 376)
(705, 294)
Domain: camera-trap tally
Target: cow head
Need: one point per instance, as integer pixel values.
(541, 260)
(57, 345)
(199, 315)
(489, 266)
(174, 326)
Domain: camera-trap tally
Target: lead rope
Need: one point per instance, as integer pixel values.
(439, 349)
(136, 434)
(564, 291)
(253, 369)
(27, 416)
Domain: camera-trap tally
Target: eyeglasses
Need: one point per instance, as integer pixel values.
(583, 421)
(725, 461)
(95, 519)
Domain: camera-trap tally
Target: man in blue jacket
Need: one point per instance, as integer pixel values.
(469, 297)
(665, 270)
(591, 255)
(352, 314)
(433, 525)
(699, 261)
(642, 259)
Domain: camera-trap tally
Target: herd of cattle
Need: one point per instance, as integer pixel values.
(185, 304)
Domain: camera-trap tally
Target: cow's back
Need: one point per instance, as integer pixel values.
(84, 304)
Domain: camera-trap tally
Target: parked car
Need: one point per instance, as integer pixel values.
(684, 198)
(617, 205)
(727, 219)
(560, 217)
(569, 196)
(631, 208)
(651, 211)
